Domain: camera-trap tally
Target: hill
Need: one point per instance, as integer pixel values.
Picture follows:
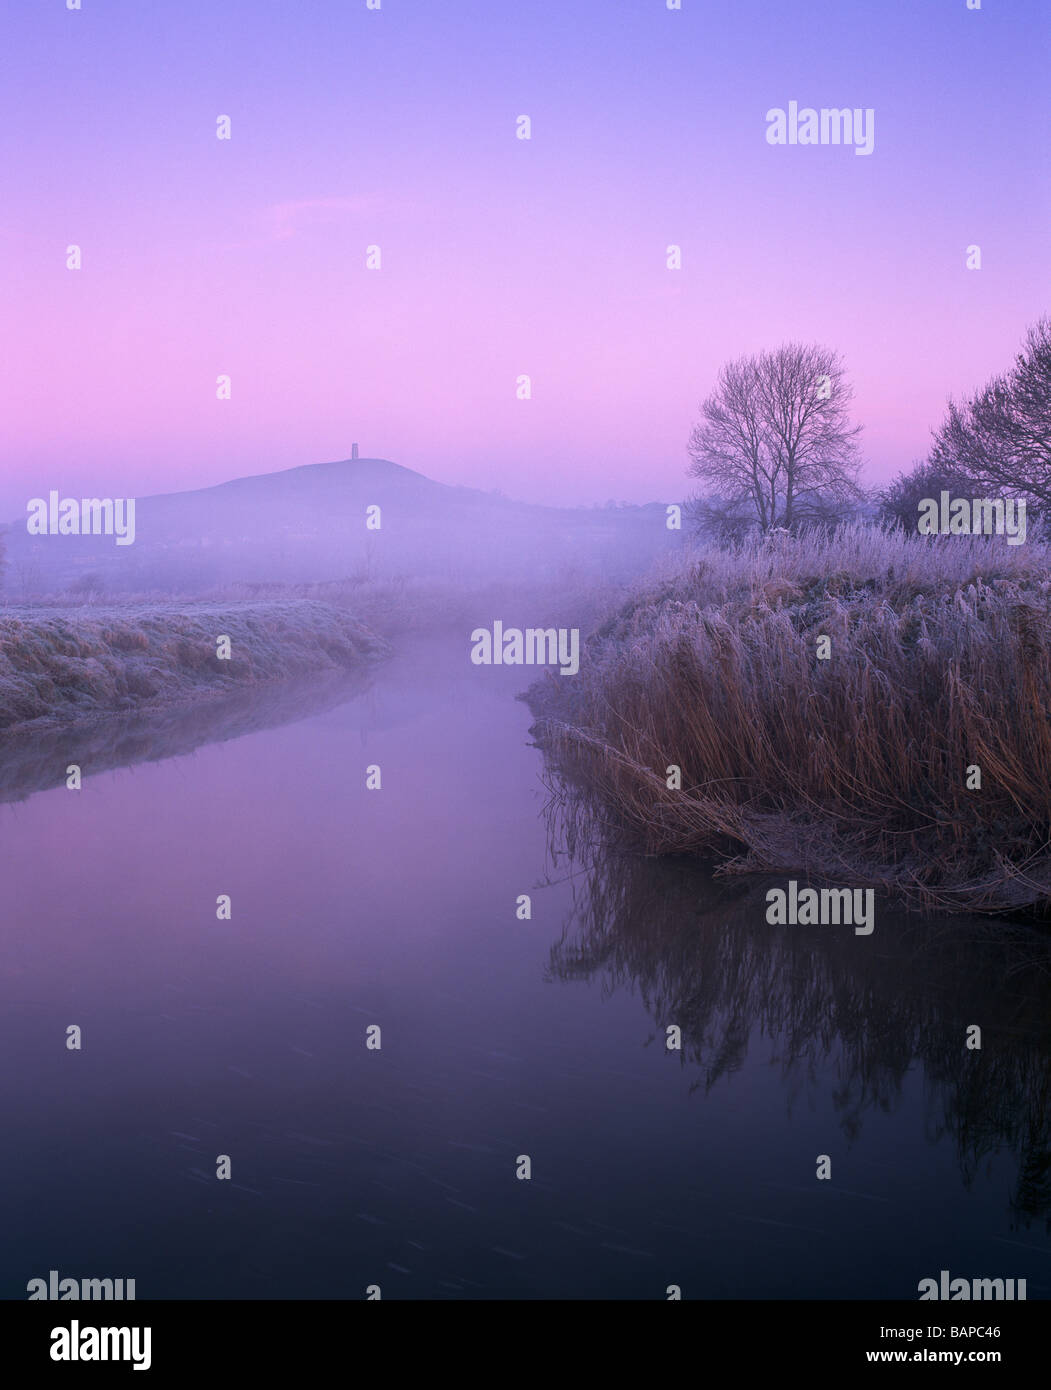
(308, 524)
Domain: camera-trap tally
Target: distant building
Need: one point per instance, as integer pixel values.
(353, 451)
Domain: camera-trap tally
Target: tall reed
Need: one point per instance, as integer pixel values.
(854, 768)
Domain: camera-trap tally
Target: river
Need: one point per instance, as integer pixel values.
(501, 1037)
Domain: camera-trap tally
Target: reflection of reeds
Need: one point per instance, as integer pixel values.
(702, 956)
(35, 759)
(852, 768)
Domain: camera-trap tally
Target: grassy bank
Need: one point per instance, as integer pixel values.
(851, 769)
(393, 606)
(59, 664)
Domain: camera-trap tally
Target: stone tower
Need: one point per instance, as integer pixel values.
(353, 451)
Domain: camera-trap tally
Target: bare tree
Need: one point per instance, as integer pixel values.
(721, 519)
(775, 438)
(1001, 437)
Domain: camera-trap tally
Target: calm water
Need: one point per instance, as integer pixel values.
(500, 1037)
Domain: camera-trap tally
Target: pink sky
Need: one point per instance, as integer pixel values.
(500, 256)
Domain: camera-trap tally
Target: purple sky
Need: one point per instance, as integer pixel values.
(352, 127)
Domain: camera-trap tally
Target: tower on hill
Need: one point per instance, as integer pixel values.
(353, 451)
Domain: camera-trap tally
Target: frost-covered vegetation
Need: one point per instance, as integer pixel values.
(70, 663)
(854, 768)
(390, 605)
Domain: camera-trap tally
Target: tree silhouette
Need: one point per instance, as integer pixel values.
(1001, 437)
(775, 442)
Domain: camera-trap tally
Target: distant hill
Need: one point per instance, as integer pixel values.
(309, 524)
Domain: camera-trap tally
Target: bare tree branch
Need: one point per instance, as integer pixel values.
(775, 439)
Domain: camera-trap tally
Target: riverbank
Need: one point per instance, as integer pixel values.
(871, 710)
(68, 664)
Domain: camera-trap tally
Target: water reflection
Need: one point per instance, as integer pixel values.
(701, 955)
(36, 758)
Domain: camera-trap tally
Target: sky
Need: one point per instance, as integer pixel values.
(500, 257)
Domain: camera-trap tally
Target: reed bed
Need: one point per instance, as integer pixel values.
(61, 664)
(852, 769)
